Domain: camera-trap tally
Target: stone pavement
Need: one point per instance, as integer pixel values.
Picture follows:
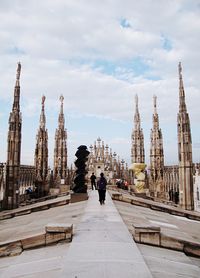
(38, 206)
(178, 227)
(165, 263)
(27, 225)
(101, 247)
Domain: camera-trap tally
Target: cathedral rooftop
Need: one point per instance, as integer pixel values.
(101, 245)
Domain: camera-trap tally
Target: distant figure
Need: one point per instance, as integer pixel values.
(101, 186)
(170, 194)
(176, 197)
(93, 181)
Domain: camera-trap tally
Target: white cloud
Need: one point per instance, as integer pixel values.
(60, 43)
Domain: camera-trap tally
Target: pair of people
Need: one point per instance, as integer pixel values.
(101, 186)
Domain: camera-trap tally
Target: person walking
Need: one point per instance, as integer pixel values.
(101, 186)
(93, 181)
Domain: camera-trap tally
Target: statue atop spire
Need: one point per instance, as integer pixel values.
(136, 103)
(61, 106)
(155, 104)
(18, 71)
(61, 100)
(42, 116)
(180, 70)
(61, 118)
(16, 105)
(137, 114)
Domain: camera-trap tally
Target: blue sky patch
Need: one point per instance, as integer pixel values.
(167, 44)
(124, 23)
(15, 50)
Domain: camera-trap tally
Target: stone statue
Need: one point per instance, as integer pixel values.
(139, 176)
(80, 182)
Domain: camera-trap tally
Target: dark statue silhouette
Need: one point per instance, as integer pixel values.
(80, 182)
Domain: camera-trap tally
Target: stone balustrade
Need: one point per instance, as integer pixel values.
(53, 234)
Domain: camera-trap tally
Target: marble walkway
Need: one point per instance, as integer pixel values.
(102, 246)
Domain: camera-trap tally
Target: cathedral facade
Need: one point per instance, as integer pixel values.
(102, 159)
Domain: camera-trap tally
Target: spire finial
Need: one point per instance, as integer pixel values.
(18, 70)
(42, 116)
(136, 102)
(182, 105)
(180, 70)
(155, 104)
(61, 106)
(43, 101)
(18, 73)
(61, 99)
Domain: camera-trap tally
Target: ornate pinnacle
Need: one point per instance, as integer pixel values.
(18, 71)
(61, 99)
(182, 105)
(43, 100)
(155, 104)
(136, 103)
(17, 89)
(42, 116)
(18, 74)
(180, 70)
(61, 120)
(137, 115)
(61, 106)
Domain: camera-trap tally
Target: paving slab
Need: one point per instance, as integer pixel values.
(171, 225)
(170, 264)
(27, 225)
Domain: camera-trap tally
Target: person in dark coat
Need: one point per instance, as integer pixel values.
(101, 186)
(93, 181)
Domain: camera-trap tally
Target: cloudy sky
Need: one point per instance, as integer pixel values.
(99, 54)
